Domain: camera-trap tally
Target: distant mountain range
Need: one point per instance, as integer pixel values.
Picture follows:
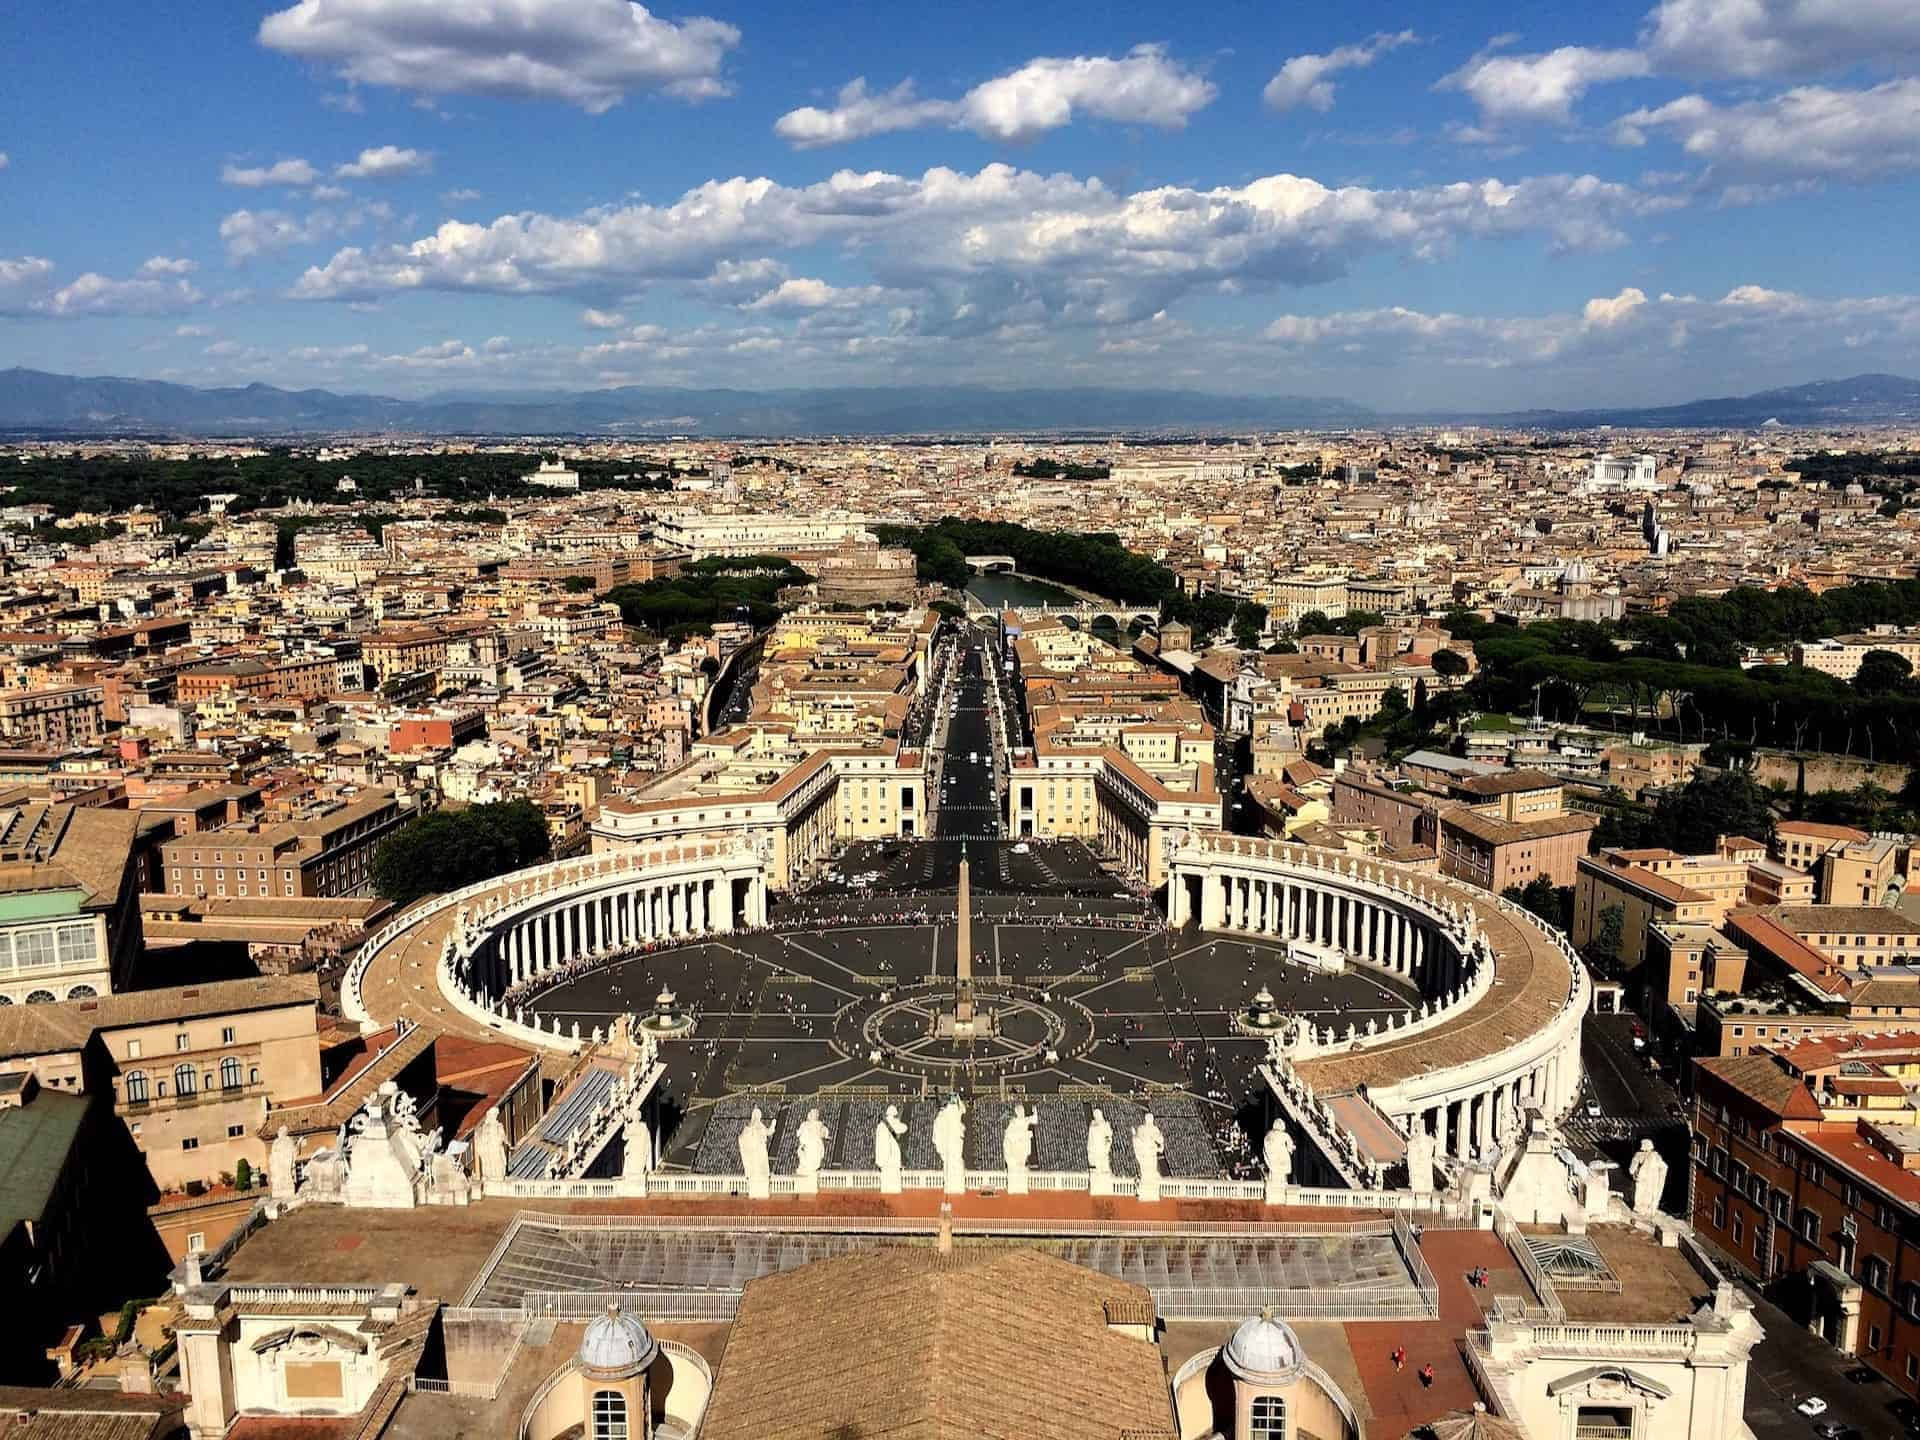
(36, 402)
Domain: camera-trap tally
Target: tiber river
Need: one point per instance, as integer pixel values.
(1016, 590)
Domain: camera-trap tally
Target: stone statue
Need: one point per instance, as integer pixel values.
(1148, 1146)
(810, 1141)
(1649, 1174)
(1016, 1147)
(637, 1145)
(1420, 1160)
(280, 1166)
(1277, 1151)
(1099, 1145)
(886, 1149)
(754, 1136)
(950, 1144)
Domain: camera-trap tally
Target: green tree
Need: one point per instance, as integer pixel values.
(1882, 672)
(450, 848)
(1605, 945)
(1552, 903)
(1449, 665)
(242, 1174)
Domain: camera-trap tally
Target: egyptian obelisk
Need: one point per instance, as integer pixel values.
(963, 971)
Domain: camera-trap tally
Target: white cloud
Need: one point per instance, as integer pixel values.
(999, 246)
(1810, 133)
(858, 113)
(1678, 331)
(168, 265)
(1143, 87)
(807, 294)
(248, 234)
(459, 197)
(4, 161)
(590, 53)
(27, 287)
(1303, 79)
(192, 332)
(602, 319)
(1540, 89)
(385, 162)
(1604, 312)
(1751, 38)
(293, 172)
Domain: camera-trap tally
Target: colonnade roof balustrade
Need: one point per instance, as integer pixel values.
(1536, 977)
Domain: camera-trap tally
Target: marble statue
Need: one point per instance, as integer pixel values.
(1149, 1144)
(280, 1166)
(886, 1149)
(1277, 1151)
(754, 1136)
(1099, 1145)
(950, 1144)
(1649, 1174)
(1420, 1160)
(1016, 1147)
(1507, 1118)
(810, 1150)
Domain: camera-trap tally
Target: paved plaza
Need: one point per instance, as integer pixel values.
(1098, 1003)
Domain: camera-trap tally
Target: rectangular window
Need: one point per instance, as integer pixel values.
(180, 1041)
(226, 1034)
(190, 1144)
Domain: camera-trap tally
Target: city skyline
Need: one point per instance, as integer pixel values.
(1629, 205)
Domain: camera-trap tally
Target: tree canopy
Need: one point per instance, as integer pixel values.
(449, 848)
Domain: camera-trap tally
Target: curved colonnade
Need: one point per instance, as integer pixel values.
(539, 921)
(1500, 1031)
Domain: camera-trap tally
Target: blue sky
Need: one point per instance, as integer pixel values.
(1410, 205)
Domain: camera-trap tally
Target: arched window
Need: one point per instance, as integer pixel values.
(83, 992)
(230, 1073)
(136, 1087)
(40, 997)
(609, 1415)
(184, 1080)
(1269, 1418)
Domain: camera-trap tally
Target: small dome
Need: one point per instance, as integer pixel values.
(1577, 573)
(616, 1346)
(1264, 1348)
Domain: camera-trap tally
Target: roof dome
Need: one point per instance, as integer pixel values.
(1264, 1348)
(1577, 572)
(616, 1346)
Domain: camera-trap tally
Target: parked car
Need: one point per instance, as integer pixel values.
(1812, 1406)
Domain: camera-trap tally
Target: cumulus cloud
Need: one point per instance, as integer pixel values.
(248, 234)
(385, 162)
(28, 286)
(1303, 79)
(589, 53)
(1603, 312)
(1809, 133)
(1540, 89)
(460, 196)
(293, 173)
(1754, 38)
(1143, 87)
(4, 161)
(602, 319)
(168, 265)
(993, 247)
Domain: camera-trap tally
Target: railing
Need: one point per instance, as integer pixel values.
(1530, 1267)
(1615, 1339)
(306, 1294)
(1423, 1280)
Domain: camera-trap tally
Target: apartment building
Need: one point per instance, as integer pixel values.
(70, 884)
(325, 849)
(60, 716)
